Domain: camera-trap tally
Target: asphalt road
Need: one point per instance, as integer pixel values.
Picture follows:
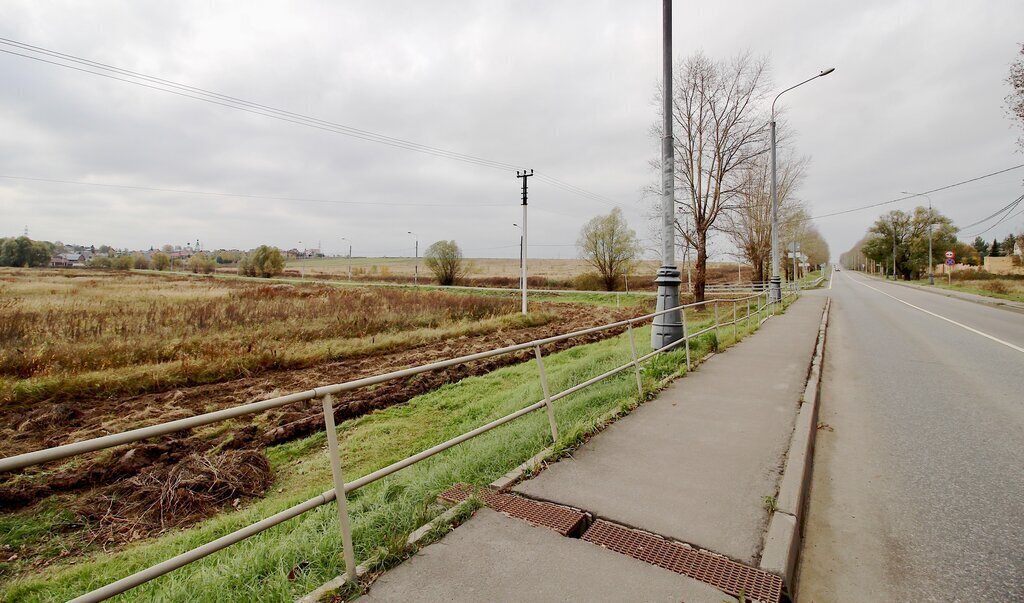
(918, 482)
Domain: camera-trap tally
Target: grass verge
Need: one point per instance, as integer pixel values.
(299, 555)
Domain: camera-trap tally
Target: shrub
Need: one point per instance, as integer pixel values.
(444, 259)
(122, 262)
(142, 262)
(264, 261)
(201, 263)
(161, 261)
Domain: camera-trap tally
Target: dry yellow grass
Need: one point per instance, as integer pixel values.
(549, 268)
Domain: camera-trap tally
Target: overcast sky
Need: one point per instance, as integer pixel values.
(566, 88)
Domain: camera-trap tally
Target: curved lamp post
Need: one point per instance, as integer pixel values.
(776, 281)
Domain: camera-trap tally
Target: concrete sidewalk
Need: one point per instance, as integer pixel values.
(693, 465)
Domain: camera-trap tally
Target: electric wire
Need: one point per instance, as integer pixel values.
(247, 196)
(224, 100)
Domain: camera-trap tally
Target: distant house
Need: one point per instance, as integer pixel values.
(68, 260)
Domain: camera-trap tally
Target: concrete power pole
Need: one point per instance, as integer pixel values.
(667, 328)
(522, 255)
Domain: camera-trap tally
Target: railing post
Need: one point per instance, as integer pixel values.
(636, 366)
(718, 336)
(547, 394)
(339, 488)
(735, 325)
(746, 319)
(686, 341)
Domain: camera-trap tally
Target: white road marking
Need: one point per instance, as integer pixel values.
(949, 320)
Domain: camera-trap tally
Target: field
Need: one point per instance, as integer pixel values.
(86, 353)
(497, 272)
(60, 549)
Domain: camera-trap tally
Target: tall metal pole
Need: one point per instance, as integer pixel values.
(668, 327)
(416, 269)
(931, 270)
(522, 256)
(775, 290)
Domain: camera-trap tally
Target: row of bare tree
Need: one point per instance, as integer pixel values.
(723, 169)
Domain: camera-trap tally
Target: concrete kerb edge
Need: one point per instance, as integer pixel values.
(782, 540)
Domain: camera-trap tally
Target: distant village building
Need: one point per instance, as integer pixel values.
(70, 260)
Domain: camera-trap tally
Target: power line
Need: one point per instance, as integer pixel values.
(934, 190)
(247, 196)
(1009, 208)
(224, 100)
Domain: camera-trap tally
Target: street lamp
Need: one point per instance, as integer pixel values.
(416, 270)
(349, 257)
(931, 272)
(667, 327)
(776, 281)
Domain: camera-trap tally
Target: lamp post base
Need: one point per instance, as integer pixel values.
(668, 327)
(775, 289)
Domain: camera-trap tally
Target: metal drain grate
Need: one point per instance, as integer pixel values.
(563, 520)
(724, 574)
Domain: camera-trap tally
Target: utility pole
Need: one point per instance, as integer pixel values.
(520, 252)
(668, 327)
(523, 245)
(894, 249)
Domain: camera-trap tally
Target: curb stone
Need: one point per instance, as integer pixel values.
(782, 540)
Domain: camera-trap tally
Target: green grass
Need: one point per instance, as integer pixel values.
(385, 512)
(977, 289)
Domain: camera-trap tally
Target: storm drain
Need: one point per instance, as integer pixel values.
(725, 575)
(563, 520)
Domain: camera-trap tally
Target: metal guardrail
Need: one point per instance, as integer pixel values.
(326, 395)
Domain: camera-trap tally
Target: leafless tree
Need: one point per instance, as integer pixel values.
(749, 226)
(1015, 100)
(720, 130)
(609, 245)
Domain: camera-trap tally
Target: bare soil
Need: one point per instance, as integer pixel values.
(137, 490)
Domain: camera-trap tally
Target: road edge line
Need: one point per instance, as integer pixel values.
(993, 302)
(782, 539)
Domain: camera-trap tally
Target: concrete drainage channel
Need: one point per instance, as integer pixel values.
(710, 568)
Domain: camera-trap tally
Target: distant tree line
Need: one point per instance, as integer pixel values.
(23, 252)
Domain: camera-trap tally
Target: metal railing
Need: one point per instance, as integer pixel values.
(753, 310)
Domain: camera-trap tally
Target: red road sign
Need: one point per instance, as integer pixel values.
(950, 255)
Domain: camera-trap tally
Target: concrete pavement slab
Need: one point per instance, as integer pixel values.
(695, 463)
(496, 558)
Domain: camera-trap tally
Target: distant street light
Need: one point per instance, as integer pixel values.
(931, 272)
(349, 257)
(416, 270)
(776, 281)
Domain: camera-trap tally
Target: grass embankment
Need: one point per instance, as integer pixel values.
(296, 557)
(982, 283)
(72, 333)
